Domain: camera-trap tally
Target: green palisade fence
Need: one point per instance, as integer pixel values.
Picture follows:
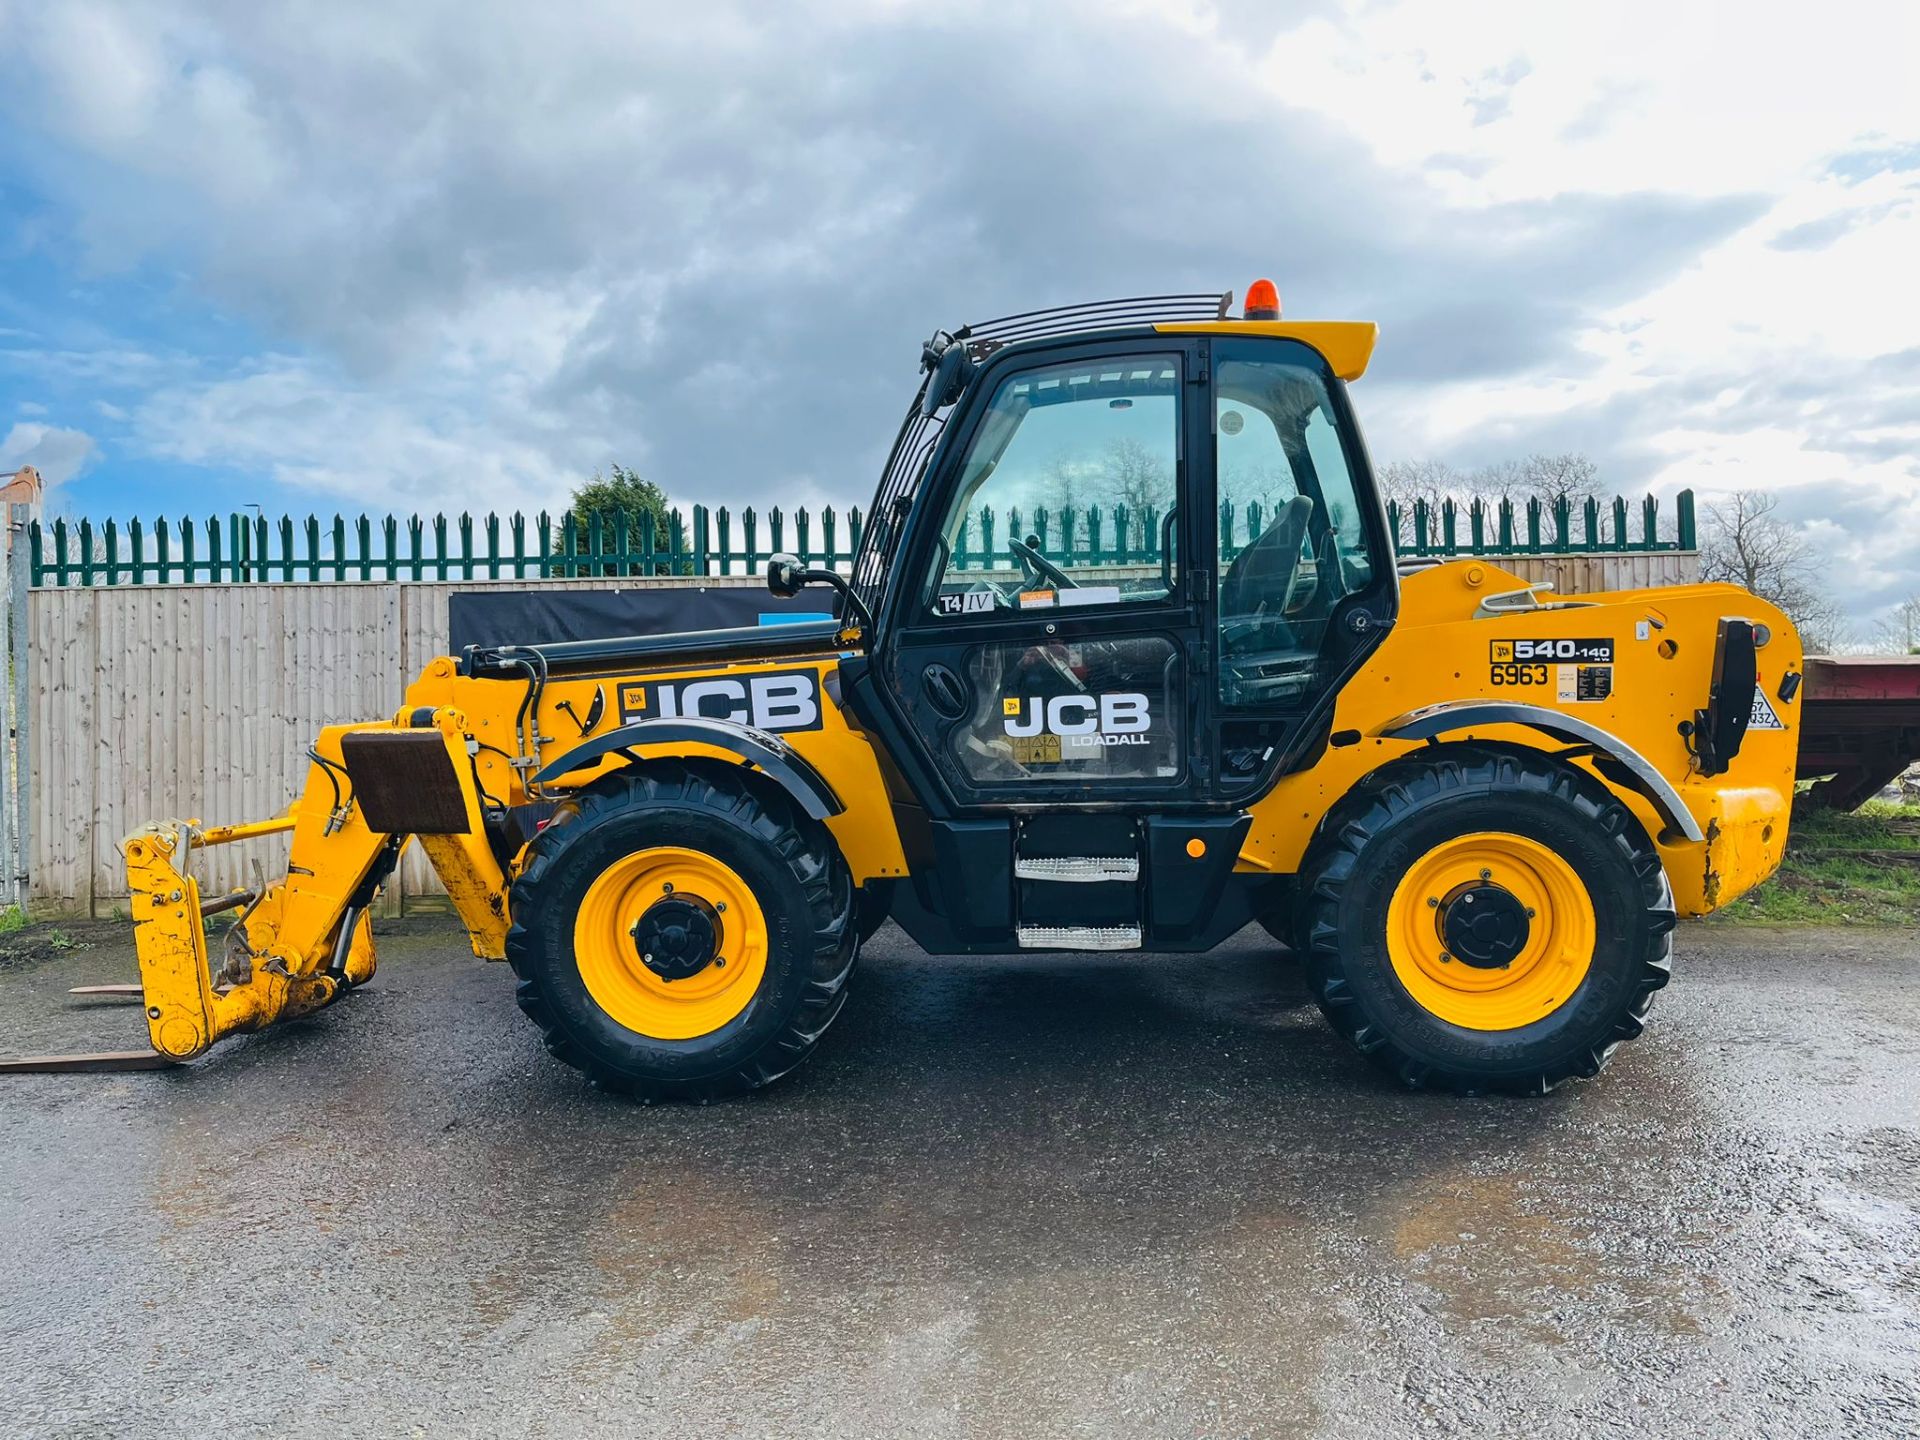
(1557, 527)
(254, 549)
(717, 542)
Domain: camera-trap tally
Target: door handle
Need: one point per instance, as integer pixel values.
(946, 691)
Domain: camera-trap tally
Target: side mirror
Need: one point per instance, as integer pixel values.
(786, 576)
(949, 368)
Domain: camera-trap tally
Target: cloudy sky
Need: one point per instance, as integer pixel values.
(440, 255)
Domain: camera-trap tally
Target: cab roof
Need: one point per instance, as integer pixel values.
(1347, 345)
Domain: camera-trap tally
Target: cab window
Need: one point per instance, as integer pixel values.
(1066, 496)
(1292, 542)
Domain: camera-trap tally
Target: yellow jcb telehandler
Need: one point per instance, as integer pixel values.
(1475, 808)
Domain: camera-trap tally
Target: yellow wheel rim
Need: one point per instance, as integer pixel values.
(1544, 969)
(611, 958)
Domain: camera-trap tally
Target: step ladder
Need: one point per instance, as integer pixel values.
(1070, 919)
(1080, 869)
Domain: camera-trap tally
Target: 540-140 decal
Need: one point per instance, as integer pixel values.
(1582, 652)
(1577, 669)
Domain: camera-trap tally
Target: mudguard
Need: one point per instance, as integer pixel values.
(761, 749)
(1431, 721)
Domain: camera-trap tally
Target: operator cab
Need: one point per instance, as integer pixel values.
(1120, 564)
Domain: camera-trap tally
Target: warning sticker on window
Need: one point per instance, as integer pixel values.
(1090, 595)
(1764, 715)
(1036, 750)
(1036, 599)
(1579, 683)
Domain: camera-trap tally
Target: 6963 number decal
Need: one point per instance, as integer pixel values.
(1511, 673)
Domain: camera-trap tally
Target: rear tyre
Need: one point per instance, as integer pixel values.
(1486, 920)
(679, 936)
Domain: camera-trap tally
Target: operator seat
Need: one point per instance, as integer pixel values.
(1261, 576)
(1264, 660)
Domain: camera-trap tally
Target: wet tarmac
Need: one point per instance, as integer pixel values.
(1073, 1195)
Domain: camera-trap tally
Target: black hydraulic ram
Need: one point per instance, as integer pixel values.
(745, 642)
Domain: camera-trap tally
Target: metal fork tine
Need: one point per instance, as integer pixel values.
(104, 1061)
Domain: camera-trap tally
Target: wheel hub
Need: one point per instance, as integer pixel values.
(1484, 926)
(678, 936)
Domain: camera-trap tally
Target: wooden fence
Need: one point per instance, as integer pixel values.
(152, 701)
(251, 549)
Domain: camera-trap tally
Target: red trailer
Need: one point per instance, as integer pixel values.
(1859, 725)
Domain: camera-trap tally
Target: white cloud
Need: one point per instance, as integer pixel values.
(57, 454)
(496, 246)
(1631, 95)
(1644, 95)
(445, 448)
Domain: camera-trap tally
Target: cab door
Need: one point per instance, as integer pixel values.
(1306, 585)
(1044, 642)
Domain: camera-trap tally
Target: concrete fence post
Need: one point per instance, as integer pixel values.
(16, 754)
(9, 865)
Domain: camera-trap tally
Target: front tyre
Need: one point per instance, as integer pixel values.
(679, 936)
(1487, 920)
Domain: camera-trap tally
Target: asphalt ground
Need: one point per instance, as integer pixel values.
(1068, 1195)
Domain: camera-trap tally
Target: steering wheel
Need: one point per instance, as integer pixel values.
(1038, 566)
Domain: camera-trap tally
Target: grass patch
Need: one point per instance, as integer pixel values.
(1815, 885)
(24, 945)
(1876, 825)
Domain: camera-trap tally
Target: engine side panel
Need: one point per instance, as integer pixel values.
(1635, 663)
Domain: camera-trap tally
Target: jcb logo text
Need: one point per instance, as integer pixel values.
(787, 700)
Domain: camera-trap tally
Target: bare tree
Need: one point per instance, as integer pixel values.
(1408, 481)
(1745, 543)
(1570, 476)
(1268, 486)
(1077, 484)
(1065, 487)
(1135, 477)
(1900, 631)
(1550, 479)
(1502, 480)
